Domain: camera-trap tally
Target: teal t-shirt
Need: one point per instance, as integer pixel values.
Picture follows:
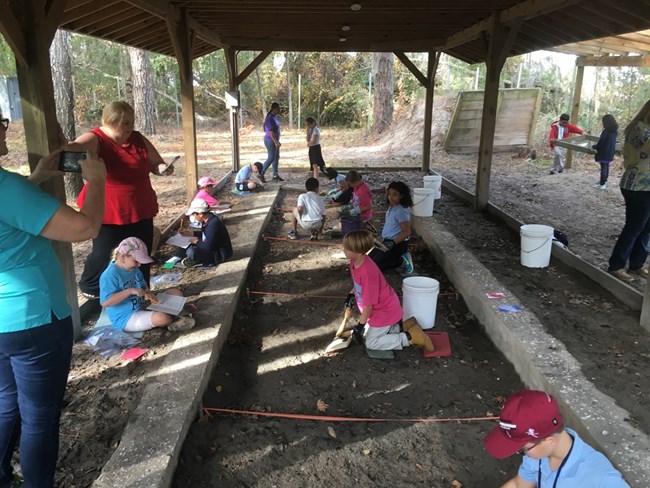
(31, 280)
(115, 279)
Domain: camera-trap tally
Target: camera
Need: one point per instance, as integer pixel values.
(69, 161)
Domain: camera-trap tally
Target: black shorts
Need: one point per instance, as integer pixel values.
(242, 186)
(315, 156)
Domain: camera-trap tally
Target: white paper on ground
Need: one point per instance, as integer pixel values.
(180, 241)
(171, 304)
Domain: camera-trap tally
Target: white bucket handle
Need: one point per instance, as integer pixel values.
(538, 248)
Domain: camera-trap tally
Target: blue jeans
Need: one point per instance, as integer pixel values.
(272, 158)
(604, 172)
(34, 365)
(632, 243)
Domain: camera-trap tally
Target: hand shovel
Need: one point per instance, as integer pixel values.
(340, 342)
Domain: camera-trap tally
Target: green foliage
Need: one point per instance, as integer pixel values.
(7, 60)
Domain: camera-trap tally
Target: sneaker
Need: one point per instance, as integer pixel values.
(601, 187)
(560, 170)
(552, 172)
(622, 275)
(190, 263)
(261, 178)
(418, 338)
(642, 272)
(277, 178)
(293, 235)
(181, 324)
(408, 263)
(314, 236)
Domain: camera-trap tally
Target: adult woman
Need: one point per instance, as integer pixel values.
(632, 245)
(35, 322)
(316, 160)
(131, 202)
(272, 142)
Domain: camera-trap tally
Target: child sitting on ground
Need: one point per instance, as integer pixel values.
(361, 203)
(206, 185)
(397, 230)
(310, 211)
(214, 246)
(381, 312)
(341, 194)
(123, 292)
(246, 179)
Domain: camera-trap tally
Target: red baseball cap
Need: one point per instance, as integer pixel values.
(527, 416)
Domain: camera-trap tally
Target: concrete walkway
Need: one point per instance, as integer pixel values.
(152, 440)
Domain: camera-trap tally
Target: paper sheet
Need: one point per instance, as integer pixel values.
(171, 304)
(180, 241)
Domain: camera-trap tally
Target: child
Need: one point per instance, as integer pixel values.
(206, 185)
(316, 160)
(244, 181)
(605, 148)
(397, 230)
(361, 202)
(341, 194)
(381, 312)
(214, 246)
(123, 292)
(310, 211)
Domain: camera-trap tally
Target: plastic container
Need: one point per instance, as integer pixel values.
(349, 224)
(536, 244)
(423, 200)
(420, 299)
(435, 182)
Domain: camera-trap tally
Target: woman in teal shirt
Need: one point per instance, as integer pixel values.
(35, 322)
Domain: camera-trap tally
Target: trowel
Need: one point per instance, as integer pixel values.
(339, 341)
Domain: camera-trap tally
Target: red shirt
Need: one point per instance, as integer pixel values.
(568, 129)
(129, 194)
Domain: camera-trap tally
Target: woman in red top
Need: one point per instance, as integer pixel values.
(131, 202)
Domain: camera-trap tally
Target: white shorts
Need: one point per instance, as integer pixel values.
(139, 321)
(307, 225)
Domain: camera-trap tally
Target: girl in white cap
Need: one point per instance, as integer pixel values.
(123, 291)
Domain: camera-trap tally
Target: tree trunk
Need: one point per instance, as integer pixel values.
(65, 101)
(143, 92)
(260, 84)
(382, 110)
(289, 90)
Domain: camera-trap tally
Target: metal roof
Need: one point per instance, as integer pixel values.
(457, 27)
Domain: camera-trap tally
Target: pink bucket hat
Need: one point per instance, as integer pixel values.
(205, 181)
(135, 248)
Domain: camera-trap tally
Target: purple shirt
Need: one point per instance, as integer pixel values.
(271, 124)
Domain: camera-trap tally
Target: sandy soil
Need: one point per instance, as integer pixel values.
(275, 332)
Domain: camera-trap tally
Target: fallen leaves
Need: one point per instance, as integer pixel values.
(456, 484)
(331, 432)
(321, 406)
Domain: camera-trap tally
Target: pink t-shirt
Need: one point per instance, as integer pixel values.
(362, 197)
(371, 288)
(207, 197)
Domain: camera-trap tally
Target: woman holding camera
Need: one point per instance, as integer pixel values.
(35, 321)
(131, 202)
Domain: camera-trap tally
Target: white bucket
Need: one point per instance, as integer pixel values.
(536, 243)
(423, 199)
(435, 182)
(419, 299)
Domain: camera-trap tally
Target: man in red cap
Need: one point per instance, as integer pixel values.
(553, 457)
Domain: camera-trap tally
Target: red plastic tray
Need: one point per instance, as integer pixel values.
(441, 343)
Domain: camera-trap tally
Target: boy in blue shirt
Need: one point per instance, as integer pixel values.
(244, 180)
(553, 457)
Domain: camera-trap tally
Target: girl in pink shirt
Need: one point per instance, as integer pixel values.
(381, 312)
(206, 185)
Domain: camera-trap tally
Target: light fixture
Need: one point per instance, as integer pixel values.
(345, 28)
(342, 39)
(355, 7)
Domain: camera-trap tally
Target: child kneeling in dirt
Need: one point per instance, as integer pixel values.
(214, 246)
(248, 179)
(310, 211)
(341, 194)
(123, 291)
(381, 312)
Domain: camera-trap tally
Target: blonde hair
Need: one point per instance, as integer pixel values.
(358, 241)
(114, 113)
(115, 254)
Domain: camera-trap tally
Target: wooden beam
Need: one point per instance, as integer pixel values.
(575, 106)
(638, 61)
(88, 9)
(432, 68)
(424, 81)
(13, 34)
(239, 79)
(500, 41)
(231, 66)
(182, 38)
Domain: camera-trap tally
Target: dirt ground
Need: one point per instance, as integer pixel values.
(272, 361)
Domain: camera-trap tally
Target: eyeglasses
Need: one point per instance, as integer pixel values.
(526, 450)
(4, 123)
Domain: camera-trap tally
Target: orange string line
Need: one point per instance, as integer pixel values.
(326, 418)
(304, 295)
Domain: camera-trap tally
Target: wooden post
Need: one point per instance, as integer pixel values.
(34, 27)
(575, 105)
(233, 85)
(432, 67)
(182, 38)
(500, 40)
